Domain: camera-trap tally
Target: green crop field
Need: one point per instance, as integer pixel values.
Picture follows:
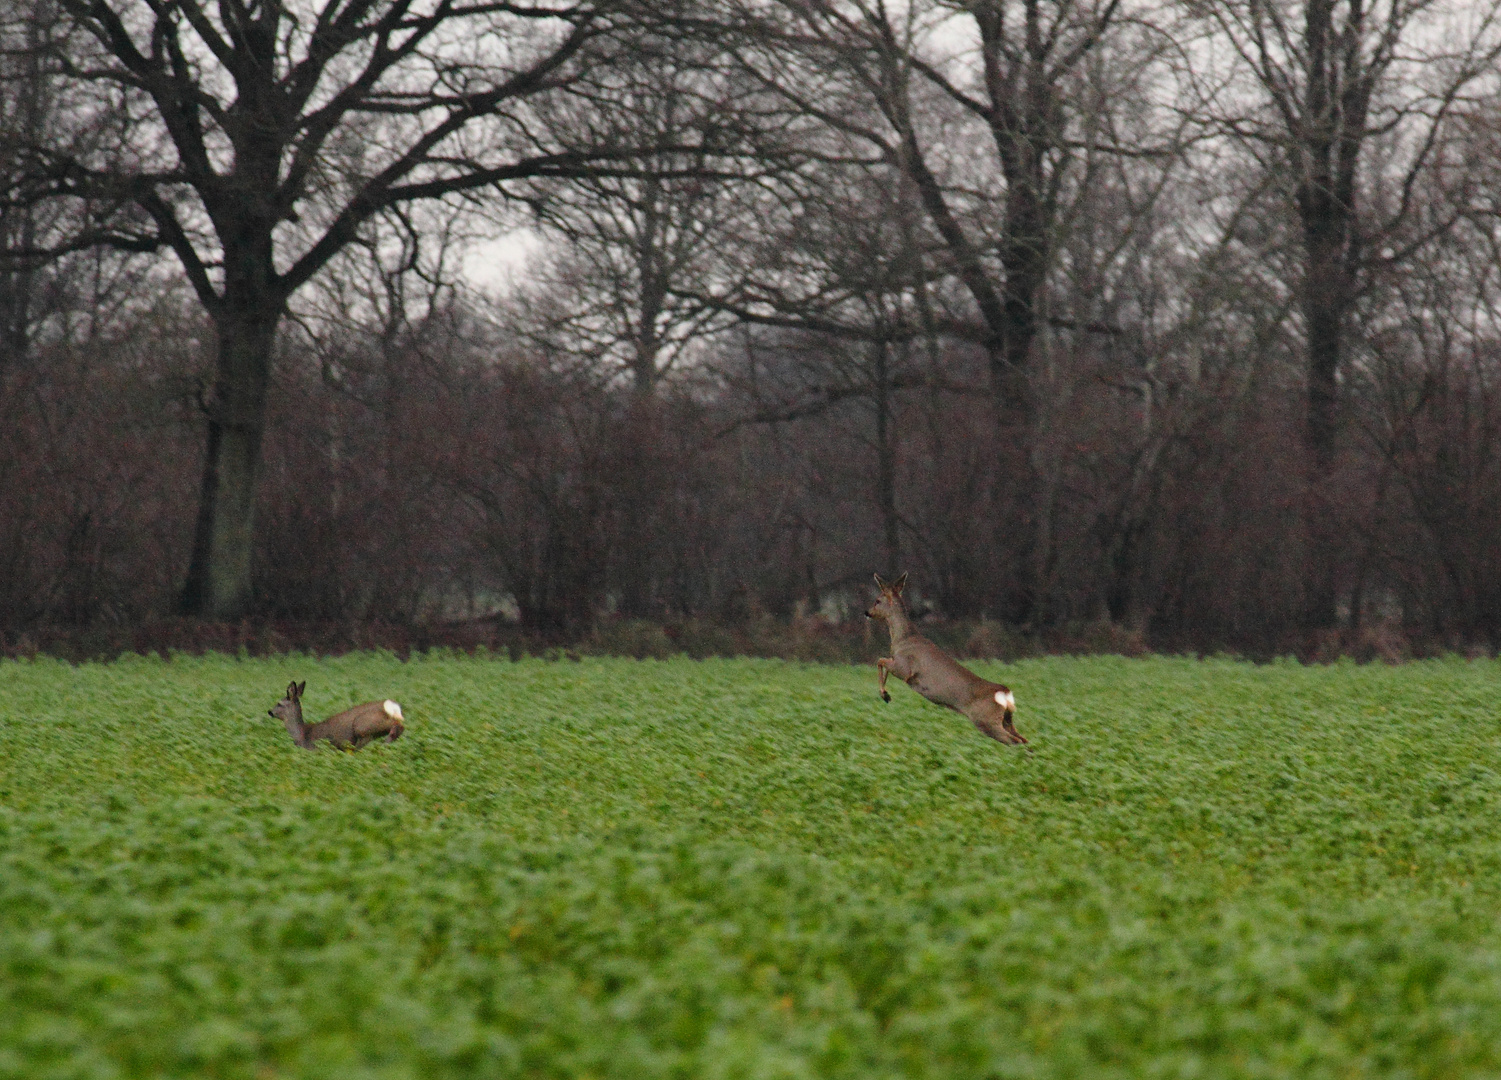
(750, 869)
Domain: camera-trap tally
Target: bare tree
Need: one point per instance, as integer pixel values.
(265, 137)
(631, 252)
(1339, 79)
(845, 275)
(987, 112)
(23, 102)
(1013, 75)
(44, 284)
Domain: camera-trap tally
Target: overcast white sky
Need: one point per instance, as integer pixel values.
(494, 265)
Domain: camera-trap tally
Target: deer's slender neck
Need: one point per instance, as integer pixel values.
(899, 623)
(296, 728)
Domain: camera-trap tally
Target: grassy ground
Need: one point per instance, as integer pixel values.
(750, 869)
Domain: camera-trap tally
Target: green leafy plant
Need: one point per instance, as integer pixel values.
(619, 868)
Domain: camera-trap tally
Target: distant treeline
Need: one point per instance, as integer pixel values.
(450, 479)
(1115, 324)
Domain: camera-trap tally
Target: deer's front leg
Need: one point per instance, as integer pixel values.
(903, 668)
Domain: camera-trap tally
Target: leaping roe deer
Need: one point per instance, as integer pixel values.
(348, 730)
(935, 674)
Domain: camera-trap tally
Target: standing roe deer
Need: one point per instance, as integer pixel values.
(935, 675)
(348, 730)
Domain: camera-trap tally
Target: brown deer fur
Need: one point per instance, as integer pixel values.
(935, 675)
(348, 730)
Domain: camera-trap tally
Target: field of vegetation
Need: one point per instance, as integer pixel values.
(750, 869)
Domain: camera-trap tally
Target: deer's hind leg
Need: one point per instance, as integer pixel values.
(993, 722)
(1008, 721)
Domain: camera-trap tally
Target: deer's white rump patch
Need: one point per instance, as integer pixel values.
(1004, 699)
(393, 710)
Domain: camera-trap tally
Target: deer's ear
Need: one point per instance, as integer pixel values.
(879, 583)
(292, 691)
(301, 688)
(899, 584)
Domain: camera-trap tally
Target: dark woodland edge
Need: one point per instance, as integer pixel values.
(810, 640)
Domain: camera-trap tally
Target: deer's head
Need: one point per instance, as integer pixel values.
(890, 600)
(289, 709)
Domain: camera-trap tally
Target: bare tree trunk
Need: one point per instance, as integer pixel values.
(1324, 304)
(886, 459)
(18, 231)
(1337, 100)
(651, 297)
(1323, 314)
(637, 486)
(218, 584)
(16, 284)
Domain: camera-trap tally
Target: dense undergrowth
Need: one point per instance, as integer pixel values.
(813, 639)
(750, 869)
